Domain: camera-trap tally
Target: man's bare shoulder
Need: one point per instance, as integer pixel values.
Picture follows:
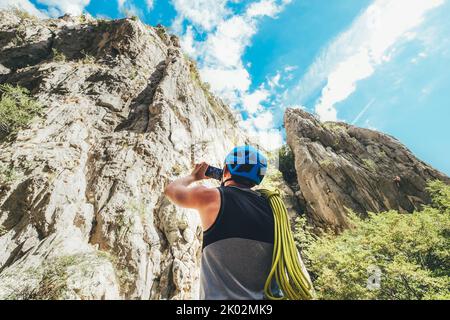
(205, 194)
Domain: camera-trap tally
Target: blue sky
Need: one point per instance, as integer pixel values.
(380, 64)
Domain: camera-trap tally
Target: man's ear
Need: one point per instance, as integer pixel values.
(225, 171)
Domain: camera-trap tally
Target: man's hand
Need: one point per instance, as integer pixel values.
(199, 171)
(205, 200)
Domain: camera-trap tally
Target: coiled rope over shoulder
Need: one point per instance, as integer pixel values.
(286, 266)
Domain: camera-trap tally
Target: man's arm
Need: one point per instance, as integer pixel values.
(205, 200)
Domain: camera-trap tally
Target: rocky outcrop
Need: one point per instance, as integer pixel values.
(340, 166)
(82, 213)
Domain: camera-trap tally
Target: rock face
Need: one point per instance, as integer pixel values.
(82, 213)
(339, 165)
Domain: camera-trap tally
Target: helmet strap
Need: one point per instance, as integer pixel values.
(223, 182)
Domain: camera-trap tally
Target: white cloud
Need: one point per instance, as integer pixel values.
(290, 68)
(264, 121)
(187, 42)
(264, 8)
(24, 5)
(355, 54)
(342, 83)
(225, 36)
(150, 4)
(271, 139)
(226, 46)
(60, 7)
(206, 14)
(297, 106)
(54, 8)
(252, 102)
(260, 128)
(128, 8)
(275, 80)
(228, 83)
(121, 4)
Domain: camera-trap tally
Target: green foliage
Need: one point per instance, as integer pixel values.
(103, 25)
(411, 252)
(3, 230)
(335, 127)
(58, 56)
(125, 276)
(195, 76)
(370, 165)
(51, 279)
(273, 180)
(23, 15)
(304, 237)
(133, 73)
(87, 58)
(53, 284)
(287, 164)
(7, 174)
(19, 35)
(82, 18)
(177, 169)
(17, 108)
(440, 193)
(124, 224)
(326, 162)
(381, 154)
(139, 208)
(161, 32)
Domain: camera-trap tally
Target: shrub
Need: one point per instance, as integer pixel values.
(22, 14)
(103, 25)
(440, 192)
(3, 230)
(87, 58)
(326, 163)
(370, 165)
(58, 56)
(7, 174)
(17, 108)
(161, 32)
(335, 127)
(82, 18)
(407, 254)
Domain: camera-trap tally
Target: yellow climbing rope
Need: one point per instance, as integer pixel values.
(286, 266)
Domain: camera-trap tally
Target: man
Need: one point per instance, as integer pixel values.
(397, 181)
(238, 226)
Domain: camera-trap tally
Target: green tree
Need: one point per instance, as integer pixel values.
(385, 256)
(287, 164)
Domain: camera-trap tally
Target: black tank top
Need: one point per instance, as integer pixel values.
(237, 248)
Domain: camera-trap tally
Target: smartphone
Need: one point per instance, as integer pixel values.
(214, 173)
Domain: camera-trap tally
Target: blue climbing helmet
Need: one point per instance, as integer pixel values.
(248, 163)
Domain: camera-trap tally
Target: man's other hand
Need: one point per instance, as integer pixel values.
(199, 171)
